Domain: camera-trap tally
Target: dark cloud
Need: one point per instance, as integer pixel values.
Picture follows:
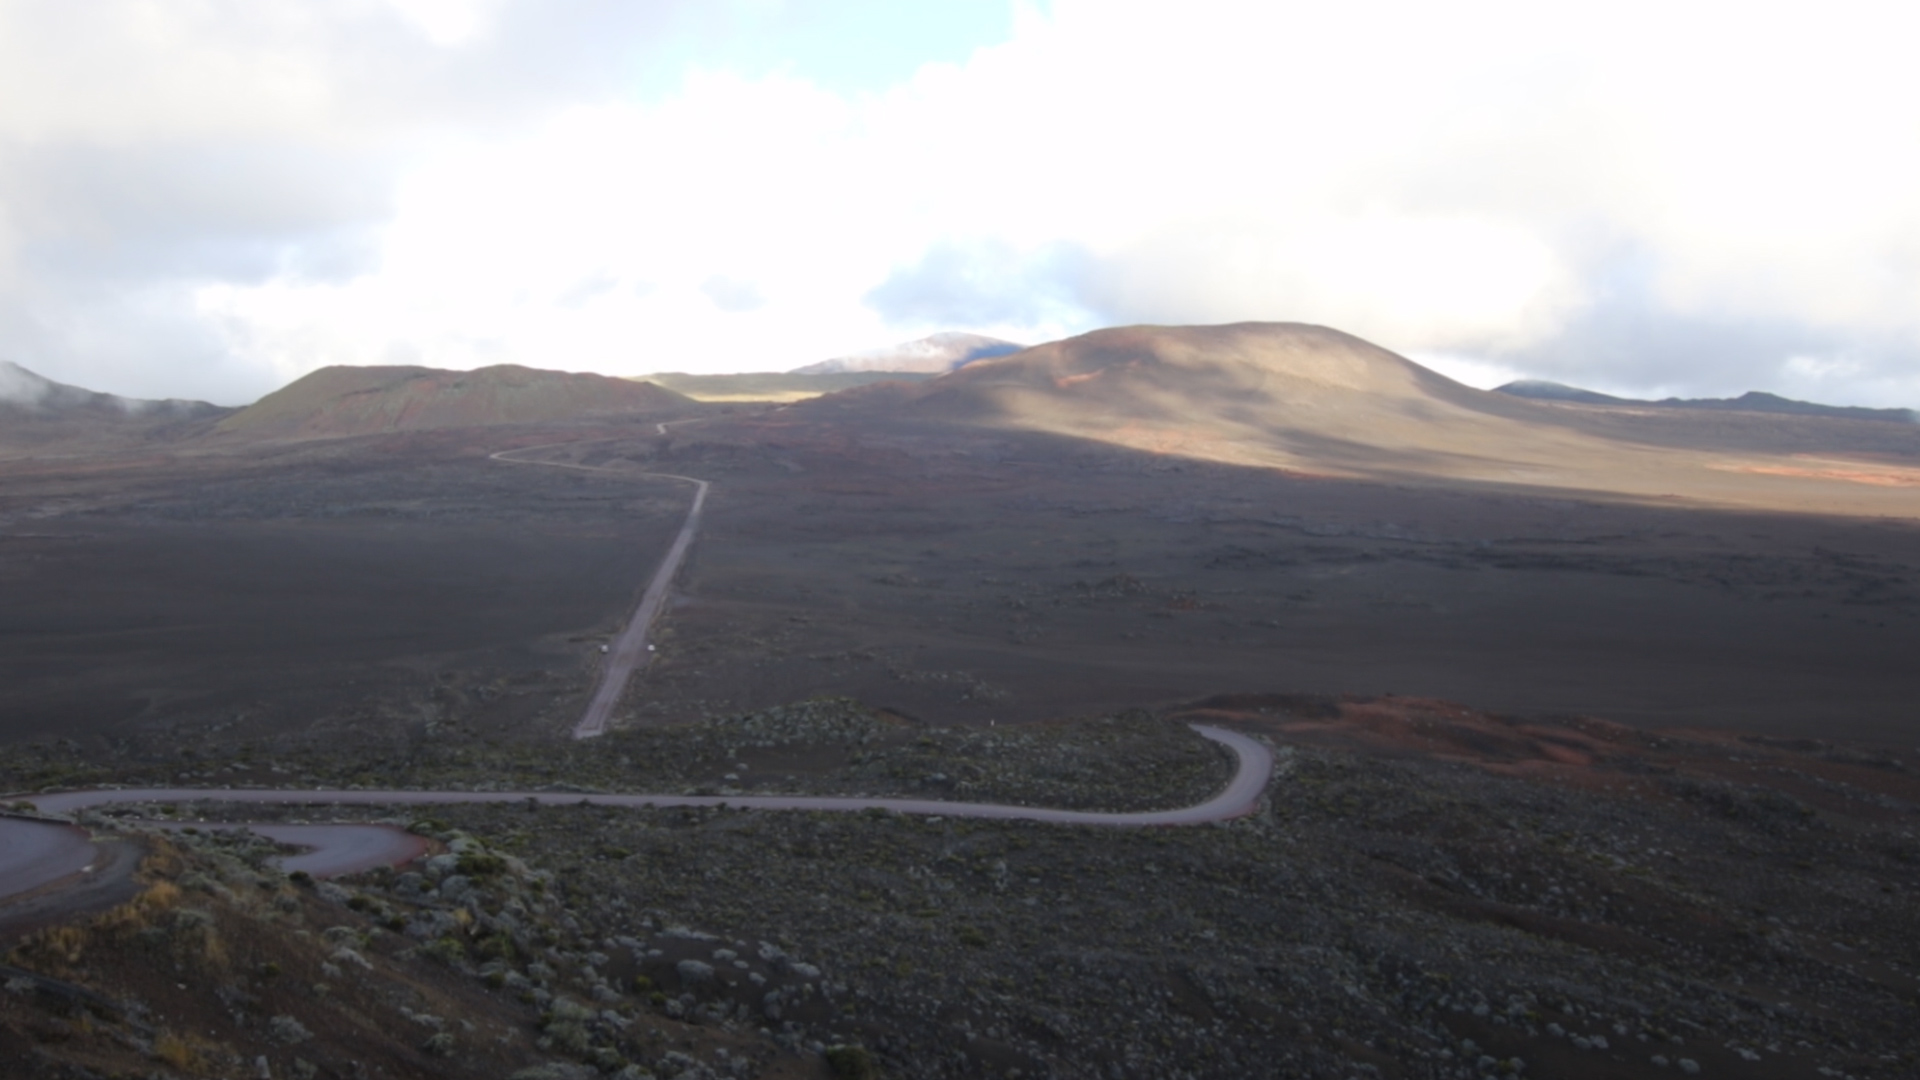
(144, 342)
(110, 243)
(1645, 347)
(1630, 338)
(149, 151)
(229, 177)
(221, 211)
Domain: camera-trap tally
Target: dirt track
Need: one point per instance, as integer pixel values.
(630, 652)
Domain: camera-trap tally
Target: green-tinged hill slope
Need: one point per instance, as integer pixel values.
(337, 401)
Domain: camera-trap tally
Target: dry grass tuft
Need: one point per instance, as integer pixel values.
(141, 912)
(56, 947)
(180, 1053)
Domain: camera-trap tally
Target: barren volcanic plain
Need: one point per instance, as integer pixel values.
(1593, 720)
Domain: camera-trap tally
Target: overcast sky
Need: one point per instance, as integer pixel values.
(208, 198)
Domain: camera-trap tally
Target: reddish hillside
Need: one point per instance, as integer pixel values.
(337, 401)
(1312, 399)
(1272, 375)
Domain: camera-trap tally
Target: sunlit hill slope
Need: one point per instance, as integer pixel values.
(337, 401)
(1312, 399)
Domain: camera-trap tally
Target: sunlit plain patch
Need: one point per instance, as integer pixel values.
(1814, 468)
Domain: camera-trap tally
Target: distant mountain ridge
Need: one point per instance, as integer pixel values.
(340, 400)
(27, 392)
(38, 415)
(1751, 401)
(1317, 401)
(933, 354)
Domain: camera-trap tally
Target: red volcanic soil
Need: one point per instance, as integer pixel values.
(1853, 780)
(337, 401)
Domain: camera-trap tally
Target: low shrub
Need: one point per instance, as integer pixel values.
(852, 1063)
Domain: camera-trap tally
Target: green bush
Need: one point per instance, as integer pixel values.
(495, 946)
(481, 864)
(852, 1063)
(569, 1036)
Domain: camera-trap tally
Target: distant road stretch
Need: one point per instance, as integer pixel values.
(347, 847)
(629, 652)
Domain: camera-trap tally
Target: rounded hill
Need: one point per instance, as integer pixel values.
(337, 401)
(1293, 388)
(1199, 371)
(1315, 400)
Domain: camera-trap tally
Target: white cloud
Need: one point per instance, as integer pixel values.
(448, 22)
(1704, 198)
(1472, 370)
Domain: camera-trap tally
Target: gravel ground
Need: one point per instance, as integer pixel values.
(1389, 912)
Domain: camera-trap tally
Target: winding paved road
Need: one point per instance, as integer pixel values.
(629, 651)
(32, 851)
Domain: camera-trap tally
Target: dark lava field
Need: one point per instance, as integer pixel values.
(1596, 734)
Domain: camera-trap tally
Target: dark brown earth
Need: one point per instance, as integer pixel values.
(365, 586)
(1012, 576)
(950, 574)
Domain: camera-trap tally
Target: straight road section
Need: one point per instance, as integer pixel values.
(630, 652)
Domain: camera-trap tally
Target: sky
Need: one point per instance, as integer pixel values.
(209, 198)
